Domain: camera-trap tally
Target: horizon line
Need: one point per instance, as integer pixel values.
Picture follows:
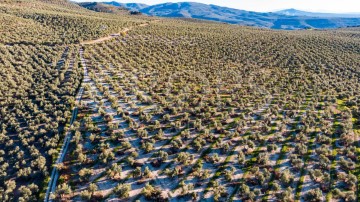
(269, 11)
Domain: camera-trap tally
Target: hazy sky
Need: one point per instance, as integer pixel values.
(337, 6)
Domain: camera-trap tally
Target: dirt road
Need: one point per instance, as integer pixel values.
(51, 188)
(106, 38)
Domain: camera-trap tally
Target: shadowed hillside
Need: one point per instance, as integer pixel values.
(58, 22)
(130, 6)
(102, 7)
(40, 74)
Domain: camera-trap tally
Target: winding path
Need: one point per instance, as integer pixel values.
(115, 35)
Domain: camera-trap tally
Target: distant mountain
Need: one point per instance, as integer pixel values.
(130, 6)
(294, 12)
(289, 19)
(102, 7)
(208, 12)
(235, 16)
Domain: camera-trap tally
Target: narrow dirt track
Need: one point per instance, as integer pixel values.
(51, 188)
(106, 38)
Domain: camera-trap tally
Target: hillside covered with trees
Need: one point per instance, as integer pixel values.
(174, 109)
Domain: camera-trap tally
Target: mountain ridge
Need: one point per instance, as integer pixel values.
(296, 12)
(102, 7)
(130, 6)
(289, 19)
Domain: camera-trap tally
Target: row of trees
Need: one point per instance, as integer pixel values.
(223, 108)
(38, 88)
(39, 79)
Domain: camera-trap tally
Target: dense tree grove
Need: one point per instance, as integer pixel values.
(56, 22)
(40, 75)
(197, 111)
(175, 109)
(37, 91)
